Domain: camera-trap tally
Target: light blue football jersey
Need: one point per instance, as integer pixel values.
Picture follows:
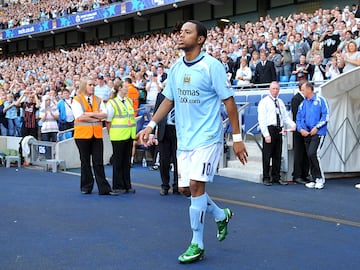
(197, 89)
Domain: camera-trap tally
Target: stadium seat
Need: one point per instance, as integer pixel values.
(240, 99)
(286, 97)
(283, 80)
(253, 99)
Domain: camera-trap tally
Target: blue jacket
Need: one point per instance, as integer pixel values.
(312, 113)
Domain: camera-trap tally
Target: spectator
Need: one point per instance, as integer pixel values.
(229, 66)
(66, 116)
(286, 60)
(10, 111)
(317, 71)
(350, 59)
(30, 103)
(265, 70)
(332, 68)
(3, 120)
(331, 42)
(276, 58)
(311, 120)
(102, 90)
(132, 93)
(315, 49)
(49, 114)
(301, 69)
(152, 88)
(253, 62)
(243, 74)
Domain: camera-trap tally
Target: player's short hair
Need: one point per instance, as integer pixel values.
(200, 28)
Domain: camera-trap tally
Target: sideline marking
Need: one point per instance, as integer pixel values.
(263, 207)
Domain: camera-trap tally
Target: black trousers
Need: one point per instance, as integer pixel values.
(167, 149)
(121, 163)
(301, 161)
(92, 150)
(313, 145)
(272, 151)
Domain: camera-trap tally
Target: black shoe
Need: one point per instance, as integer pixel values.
(176, 192)
(300, 181)
(155, 167)
(164, 192)
(283, 183)
(130, 190)
(267, 183)
(86, 192)
(117, 192)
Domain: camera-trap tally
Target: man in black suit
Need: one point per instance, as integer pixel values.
(244, 54)
(166, 135)
(301, 161)
(265, 70)
(229, 65)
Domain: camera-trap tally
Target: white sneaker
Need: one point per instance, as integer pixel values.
(319, 183)
(310, 185)
(357, 186)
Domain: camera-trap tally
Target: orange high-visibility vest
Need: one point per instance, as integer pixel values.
(83, 129)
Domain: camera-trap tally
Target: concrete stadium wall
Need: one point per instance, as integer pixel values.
(64, 150)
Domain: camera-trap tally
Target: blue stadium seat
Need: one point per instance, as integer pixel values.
(283, 80)
(253, 99)
(240, 98)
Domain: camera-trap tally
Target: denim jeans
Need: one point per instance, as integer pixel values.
(3, 130)
(11, 127)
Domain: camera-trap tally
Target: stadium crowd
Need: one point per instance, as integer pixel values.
(317, 46)
(33, 11)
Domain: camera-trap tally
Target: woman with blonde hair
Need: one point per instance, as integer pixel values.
(316, 48)
(350, 59)
(89, 112)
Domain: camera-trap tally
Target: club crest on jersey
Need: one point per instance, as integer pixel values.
(187, 78)
(316, 103)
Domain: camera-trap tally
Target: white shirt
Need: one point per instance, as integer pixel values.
(267, 115)
(78, 110)
(68, 110)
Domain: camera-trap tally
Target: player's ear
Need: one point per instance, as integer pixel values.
(201, 39)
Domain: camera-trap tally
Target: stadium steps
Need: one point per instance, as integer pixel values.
(252, 171)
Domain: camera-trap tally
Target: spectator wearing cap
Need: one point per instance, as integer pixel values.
(102, 90)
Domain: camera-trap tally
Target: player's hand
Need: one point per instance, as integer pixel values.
(144, 138)
(240, 151)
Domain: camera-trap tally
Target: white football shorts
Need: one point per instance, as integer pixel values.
(199, 164)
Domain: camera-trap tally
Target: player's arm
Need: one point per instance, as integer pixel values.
(164, 108)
